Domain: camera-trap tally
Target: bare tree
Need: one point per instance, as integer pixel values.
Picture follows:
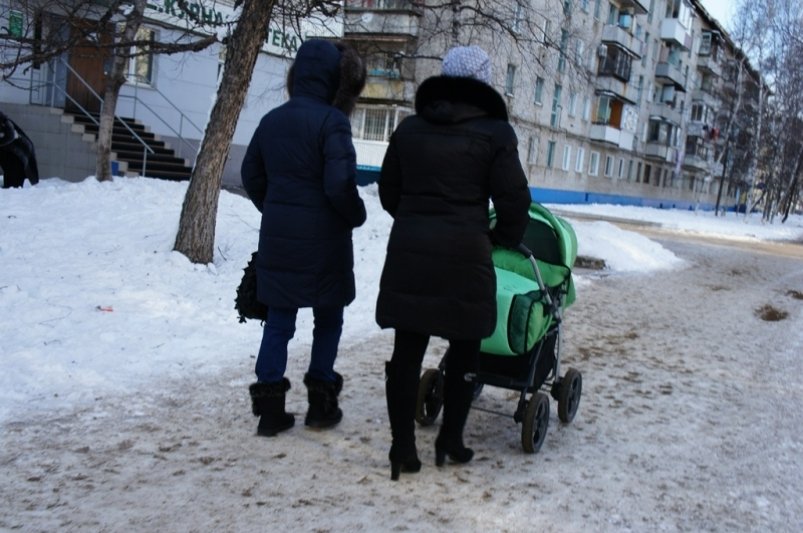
(769, 33)
(196, 232)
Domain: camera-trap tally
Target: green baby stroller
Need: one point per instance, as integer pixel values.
(534, 286)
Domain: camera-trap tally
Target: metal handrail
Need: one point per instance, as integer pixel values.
(182, 116)
(146, 149)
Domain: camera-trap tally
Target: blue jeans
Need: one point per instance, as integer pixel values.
(280, 328)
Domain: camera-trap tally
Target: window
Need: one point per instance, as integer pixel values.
(376, 123)
(532, 150)
(554, 119)
(539, 91)
(613, 14)
(586, 108)
(383, 65)
(140, 66)
(510, 79)
(597, 8)
(518, 17)
(646, 50)
(578, 164)
(698, 112)
(564, 41)
(621, 168)
(579, 49)
(647, 172)
(608, 166)
(543, 28)
(572, 104)
(593, 164)
(630, 170)
(584, 5)
(567, 157)
(567, 7)
(550, 154)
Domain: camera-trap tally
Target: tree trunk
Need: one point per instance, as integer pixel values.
(196, 230)
(114, 80)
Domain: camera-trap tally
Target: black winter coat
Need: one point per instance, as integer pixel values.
(440, 170)
(299, 170)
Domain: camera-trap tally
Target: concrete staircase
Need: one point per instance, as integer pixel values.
(128, 151)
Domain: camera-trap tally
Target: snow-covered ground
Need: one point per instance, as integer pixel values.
(123, 391)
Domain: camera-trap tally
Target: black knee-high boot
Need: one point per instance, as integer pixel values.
(457, 396)
(401, 387)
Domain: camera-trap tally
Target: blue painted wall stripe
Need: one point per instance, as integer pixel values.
(367, 174)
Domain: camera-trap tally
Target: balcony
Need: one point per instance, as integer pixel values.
(695, 162)
(617, 35)
(639, 7)
(701, 95)
(390, 89)
(673, 31)
(709, 65)
(604, 133)
(385, 22)
(663, 152)
(696, 129)
(666, 112)
(668, 73)
(618, 88)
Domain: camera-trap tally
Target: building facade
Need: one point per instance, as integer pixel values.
(170, 94)
(617, 101)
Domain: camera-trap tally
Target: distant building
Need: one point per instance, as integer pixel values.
(639, 126)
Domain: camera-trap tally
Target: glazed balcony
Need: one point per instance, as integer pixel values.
(674, 32)
(615, 34)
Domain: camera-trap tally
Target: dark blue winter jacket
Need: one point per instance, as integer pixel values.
(299, 171)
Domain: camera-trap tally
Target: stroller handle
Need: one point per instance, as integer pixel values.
(521, 248)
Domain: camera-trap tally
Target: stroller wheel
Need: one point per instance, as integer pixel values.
(535, 423)
(571, 388)
(430, 397)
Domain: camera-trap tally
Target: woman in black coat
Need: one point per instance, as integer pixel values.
(300, 172)
(442, 167)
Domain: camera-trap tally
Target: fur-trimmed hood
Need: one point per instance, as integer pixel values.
(450, 99)
(332, 72)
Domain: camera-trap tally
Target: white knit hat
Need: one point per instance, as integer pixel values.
(468, 62)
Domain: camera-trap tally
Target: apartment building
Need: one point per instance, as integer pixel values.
(616, 101)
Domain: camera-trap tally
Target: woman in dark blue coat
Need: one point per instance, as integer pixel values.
(299, 170)
(442, 167)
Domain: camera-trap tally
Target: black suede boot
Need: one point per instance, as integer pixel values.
(457, 397)
(322, 396)
(401, 386)
(267, 402)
